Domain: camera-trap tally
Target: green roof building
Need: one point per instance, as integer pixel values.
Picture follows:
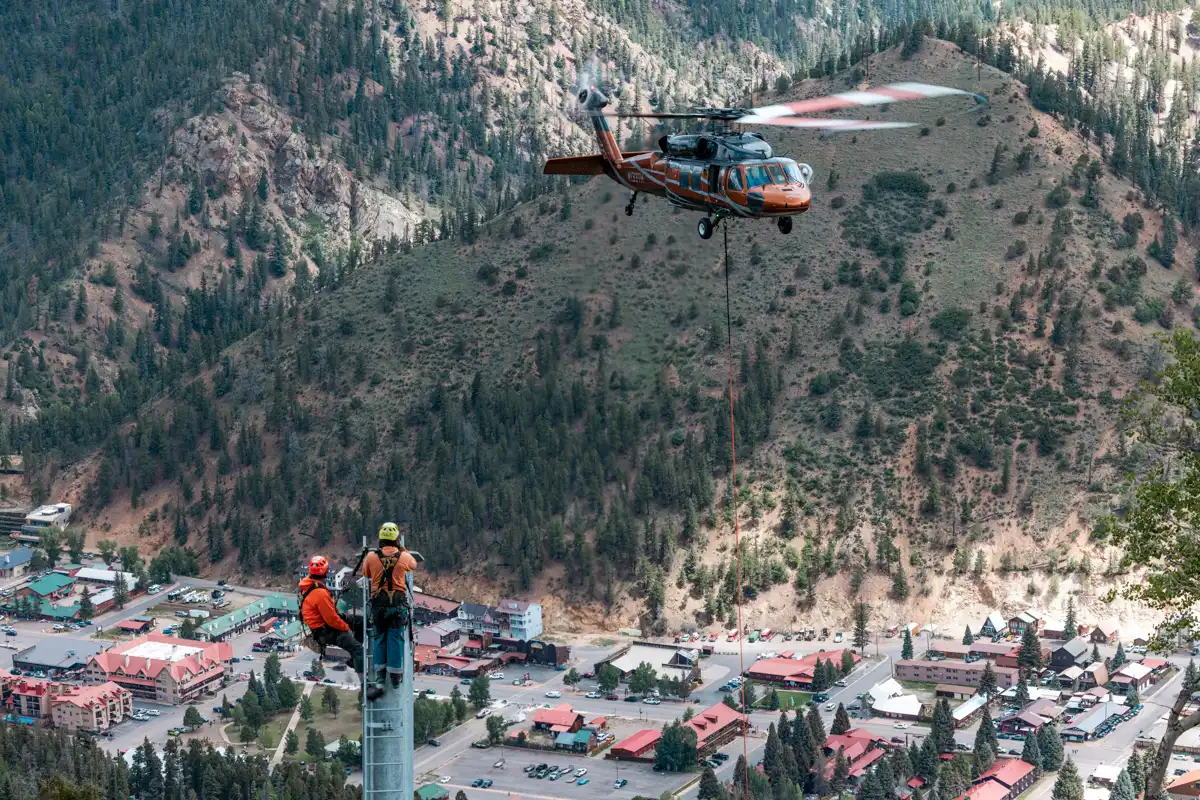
(55, 584)
(285, 607)
(431, 791)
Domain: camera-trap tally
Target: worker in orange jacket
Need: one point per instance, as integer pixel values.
(387, 567)
(319, 612)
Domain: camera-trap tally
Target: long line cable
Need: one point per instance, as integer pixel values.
(737, 538)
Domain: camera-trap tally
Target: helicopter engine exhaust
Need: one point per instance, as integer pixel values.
(592, 99)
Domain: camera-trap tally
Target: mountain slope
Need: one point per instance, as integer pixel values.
(550, 397)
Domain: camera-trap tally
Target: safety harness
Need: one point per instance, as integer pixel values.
(310, 640)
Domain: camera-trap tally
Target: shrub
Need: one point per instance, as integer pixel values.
(951, 323)
(906, 182)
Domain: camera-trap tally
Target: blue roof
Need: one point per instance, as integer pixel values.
(16, 558)
(565, 738)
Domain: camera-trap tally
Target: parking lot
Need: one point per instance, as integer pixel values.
(511, 778)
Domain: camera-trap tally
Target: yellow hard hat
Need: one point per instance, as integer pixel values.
(388, 532)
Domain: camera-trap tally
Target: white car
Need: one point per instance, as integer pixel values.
(652, 701)
(444, 779)
(154, 712)
(247, 658)
(579, 773)
(496, 676)
(900, 725)
(829, 706)
(593, 695)
(553, 694)
(483, 712)
(837, 637)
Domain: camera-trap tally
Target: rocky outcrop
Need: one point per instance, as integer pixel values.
(251, 134)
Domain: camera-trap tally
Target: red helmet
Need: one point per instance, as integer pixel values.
(318, 566)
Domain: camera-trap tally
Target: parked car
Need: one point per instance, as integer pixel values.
(900, 725)
(840, 682)
(611, 697)
(553, 694)
(584, 781)
(631, 699)
(434, 742)
(652, 701)
(487, 783)
(592, 695)
(620, 784)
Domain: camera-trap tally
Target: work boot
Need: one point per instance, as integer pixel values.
(396, 680)
(374, 693)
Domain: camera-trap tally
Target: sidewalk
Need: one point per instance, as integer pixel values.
(291, 726)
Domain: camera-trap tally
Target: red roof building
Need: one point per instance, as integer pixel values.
(716, 726)
(162, 668)
(794, 671)
(988, 790)
(860, 766)
(637, 747)
(29, 697)
(92, 708)
(1013, 774)
(560, 719)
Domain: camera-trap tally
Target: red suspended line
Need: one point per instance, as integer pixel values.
(737, 539)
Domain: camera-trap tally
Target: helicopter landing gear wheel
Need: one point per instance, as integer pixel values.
(629, 206)
(705, 228)
(785, 225)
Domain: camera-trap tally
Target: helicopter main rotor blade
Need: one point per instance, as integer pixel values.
(894, 93)
(678, 115)
(829, 125)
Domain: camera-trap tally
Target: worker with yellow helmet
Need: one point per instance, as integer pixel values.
(387, 567)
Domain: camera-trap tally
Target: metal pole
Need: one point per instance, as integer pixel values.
(388, 721)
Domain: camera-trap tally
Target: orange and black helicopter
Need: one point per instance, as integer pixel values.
(727, 173)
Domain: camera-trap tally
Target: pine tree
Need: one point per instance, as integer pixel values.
(1051, 746)
(899, 584)
(1032, 754)
(1119, 657)
(1030, 655)
(1123, 788)
(1095, 653)
(816, 727)
(1022, 697)
(985, 736)
(988, 687)
(1137, 773)
(710, 787)
(942, 731)
(841, 721)
(1068, 785)
(968, 639)
(906, 650)
(841, 772)
(1071, 627)
(862, 618)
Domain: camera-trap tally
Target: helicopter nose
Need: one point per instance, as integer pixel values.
(790, 199)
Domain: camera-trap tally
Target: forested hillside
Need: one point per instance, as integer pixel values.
(327, 287)
(52, 765)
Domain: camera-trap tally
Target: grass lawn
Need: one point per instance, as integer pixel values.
(918, 686)
(348, 722)
(787, 699)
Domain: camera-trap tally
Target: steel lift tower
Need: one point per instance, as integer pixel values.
(387, 736)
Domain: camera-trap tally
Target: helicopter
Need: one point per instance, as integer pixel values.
(725, 173)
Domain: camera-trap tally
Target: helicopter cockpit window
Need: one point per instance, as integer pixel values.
(793, 173)
(735, 179)
(757, 176)
(776, 173)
